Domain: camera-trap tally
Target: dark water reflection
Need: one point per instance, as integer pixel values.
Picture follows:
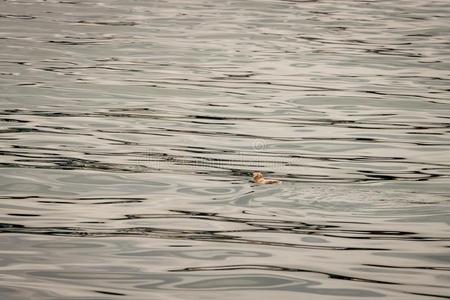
(129, 131)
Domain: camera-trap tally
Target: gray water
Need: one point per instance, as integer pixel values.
(129, 131)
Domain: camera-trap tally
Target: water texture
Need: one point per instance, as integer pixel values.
(129, 131)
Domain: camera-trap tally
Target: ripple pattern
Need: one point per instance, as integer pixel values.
(129, 131)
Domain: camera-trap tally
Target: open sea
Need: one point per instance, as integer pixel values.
(129, 131)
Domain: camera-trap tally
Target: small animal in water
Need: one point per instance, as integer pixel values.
(259, 179)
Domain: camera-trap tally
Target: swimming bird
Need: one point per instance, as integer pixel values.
(259, 179)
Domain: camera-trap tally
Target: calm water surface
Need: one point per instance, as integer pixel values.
(129, 130)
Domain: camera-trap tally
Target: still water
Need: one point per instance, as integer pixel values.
(129, 131)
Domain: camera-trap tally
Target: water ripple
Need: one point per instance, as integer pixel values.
(129, 131)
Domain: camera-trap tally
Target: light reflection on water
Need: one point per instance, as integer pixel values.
(130, 129)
